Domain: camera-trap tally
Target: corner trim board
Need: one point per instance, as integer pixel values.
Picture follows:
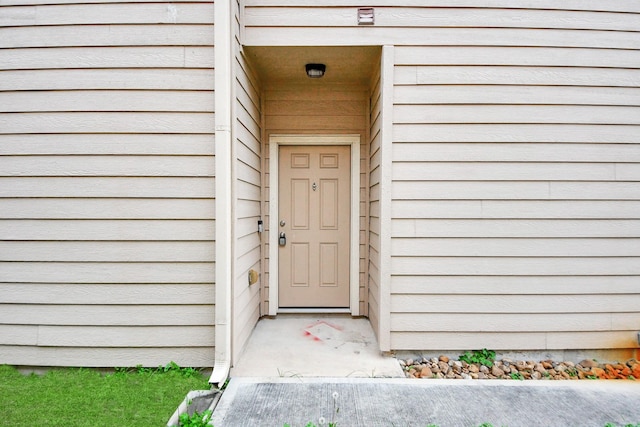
(224, 192)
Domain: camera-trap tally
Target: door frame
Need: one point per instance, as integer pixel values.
(352, 140)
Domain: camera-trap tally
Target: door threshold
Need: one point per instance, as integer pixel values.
(303, 310)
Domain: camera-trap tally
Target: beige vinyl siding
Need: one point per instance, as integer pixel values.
(514, 214)
(248, 164)
(514, 211)
(325, 109)
(375, 225)
(107, 183)
(444, 23)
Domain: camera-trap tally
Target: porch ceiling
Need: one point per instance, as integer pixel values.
(345, 64)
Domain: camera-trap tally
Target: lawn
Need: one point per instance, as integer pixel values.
(85, 397)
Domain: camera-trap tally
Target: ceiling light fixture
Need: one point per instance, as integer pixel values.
(315, 71)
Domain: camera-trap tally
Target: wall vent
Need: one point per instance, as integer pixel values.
(365, 16)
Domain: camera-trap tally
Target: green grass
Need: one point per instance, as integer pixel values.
(85, 397)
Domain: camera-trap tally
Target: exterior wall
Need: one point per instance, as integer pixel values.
(514, 208)
(106, 180)
(321, 109)
(248, 199)
(375, 225)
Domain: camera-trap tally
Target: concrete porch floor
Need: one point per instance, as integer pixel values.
(312, 345)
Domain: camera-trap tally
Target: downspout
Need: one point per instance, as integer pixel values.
(223, 185)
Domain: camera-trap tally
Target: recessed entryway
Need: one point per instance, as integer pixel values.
(314, 346)
(319, 124)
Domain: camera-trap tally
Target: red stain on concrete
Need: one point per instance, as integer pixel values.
(324, 322)
(320, 322)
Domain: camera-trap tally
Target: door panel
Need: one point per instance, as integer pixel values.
(314, 206)
(300, 204)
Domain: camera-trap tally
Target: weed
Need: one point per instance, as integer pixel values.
(142, 370)
(516, 376)
(183, 372)
(120, 372)
(309, 424)
(288, 374)
(171, 367)
(484, 357)
(366, 374)
(336, 409)
(322, 421)
(198, 419)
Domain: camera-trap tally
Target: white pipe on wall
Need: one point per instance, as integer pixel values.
(224, 179)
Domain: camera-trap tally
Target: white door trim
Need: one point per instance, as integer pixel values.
(275, 141)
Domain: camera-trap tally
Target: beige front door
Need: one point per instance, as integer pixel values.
(314, 213)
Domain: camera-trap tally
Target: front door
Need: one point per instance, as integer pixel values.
(313, 226)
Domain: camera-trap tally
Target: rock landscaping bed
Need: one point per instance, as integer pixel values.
(480, 365)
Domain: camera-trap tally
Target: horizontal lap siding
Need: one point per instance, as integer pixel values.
(107, 183)
(444, 23)
(514, 219)
(515, 215)
(375, 134)
(249, 194)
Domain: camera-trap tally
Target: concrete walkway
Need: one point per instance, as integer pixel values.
(293, 365)
(272, 402)
(298, 345)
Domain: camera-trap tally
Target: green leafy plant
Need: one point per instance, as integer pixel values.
(197, 419)
(516, 376)
(169, 368)
(142, 370)
(484, 357)
(309, 424)
(187, 372)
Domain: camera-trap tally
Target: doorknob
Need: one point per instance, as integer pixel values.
(283, 239)
(282, 223)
